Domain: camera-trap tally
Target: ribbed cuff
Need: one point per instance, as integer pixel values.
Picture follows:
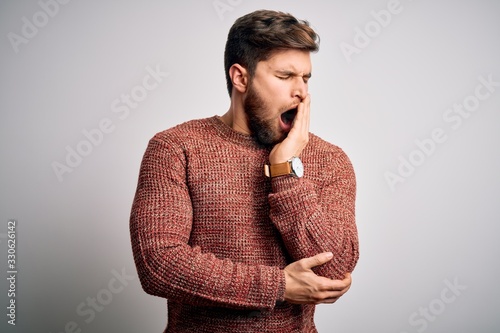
(284, 183)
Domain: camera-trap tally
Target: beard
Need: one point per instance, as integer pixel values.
(263, 130)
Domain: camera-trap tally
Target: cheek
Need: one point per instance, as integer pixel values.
(278, 93)
(274, 93)
(279, 87)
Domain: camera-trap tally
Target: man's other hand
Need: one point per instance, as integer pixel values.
(305, 287)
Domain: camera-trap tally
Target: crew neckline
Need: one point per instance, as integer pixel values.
(230, 134)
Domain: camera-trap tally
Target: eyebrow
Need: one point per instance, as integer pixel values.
(292, 73)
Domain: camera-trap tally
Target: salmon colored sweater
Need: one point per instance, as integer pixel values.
(212, 234)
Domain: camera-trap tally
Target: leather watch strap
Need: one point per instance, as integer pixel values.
(276, 170)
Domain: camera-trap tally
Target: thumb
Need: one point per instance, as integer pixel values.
(317, 260)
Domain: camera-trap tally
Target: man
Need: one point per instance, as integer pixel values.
(244, 222)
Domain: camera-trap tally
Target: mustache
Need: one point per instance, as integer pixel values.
(291, 106)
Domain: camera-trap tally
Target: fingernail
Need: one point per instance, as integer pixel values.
(329, 255)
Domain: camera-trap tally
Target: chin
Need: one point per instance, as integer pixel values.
(266, 132)
(268, 140)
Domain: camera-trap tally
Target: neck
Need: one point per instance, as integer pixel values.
(235, 117)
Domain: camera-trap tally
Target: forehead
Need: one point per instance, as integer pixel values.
(296, 61)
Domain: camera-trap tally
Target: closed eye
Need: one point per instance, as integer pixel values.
(287, 76)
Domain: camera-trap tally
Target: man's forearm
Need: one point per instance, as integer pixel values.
(311, 222)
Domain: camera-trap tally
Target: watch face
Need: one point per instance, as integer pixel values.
(297, 167)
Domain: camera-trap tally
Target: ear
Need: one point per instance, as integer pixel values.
(239, 77)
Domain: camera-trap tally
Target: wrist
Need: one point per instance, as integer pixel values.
(278, 160)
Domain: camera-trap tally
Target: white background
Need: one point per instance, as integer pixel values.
(436, 226)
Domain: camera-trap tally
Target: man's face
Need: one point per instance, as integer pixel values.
(277, 88)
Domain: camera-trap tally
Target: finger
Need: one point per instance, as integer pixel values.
(317, 260)
(347, 281)
(344, 290)
(334, 288)
(328, 296)
(307, 112)
(328, 300)
(302, 118)
(343, 285)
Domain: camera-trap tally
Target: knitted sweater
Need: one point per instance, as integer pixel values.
(212, 234)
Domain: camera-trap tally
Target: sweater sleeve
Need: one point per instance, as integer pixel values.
(168, 267)
(314, 219)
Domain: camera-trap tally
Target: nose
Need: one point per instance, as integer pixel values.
(300, 88)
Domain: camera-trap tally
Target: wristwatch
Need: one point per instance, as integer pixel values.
(292, 167)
